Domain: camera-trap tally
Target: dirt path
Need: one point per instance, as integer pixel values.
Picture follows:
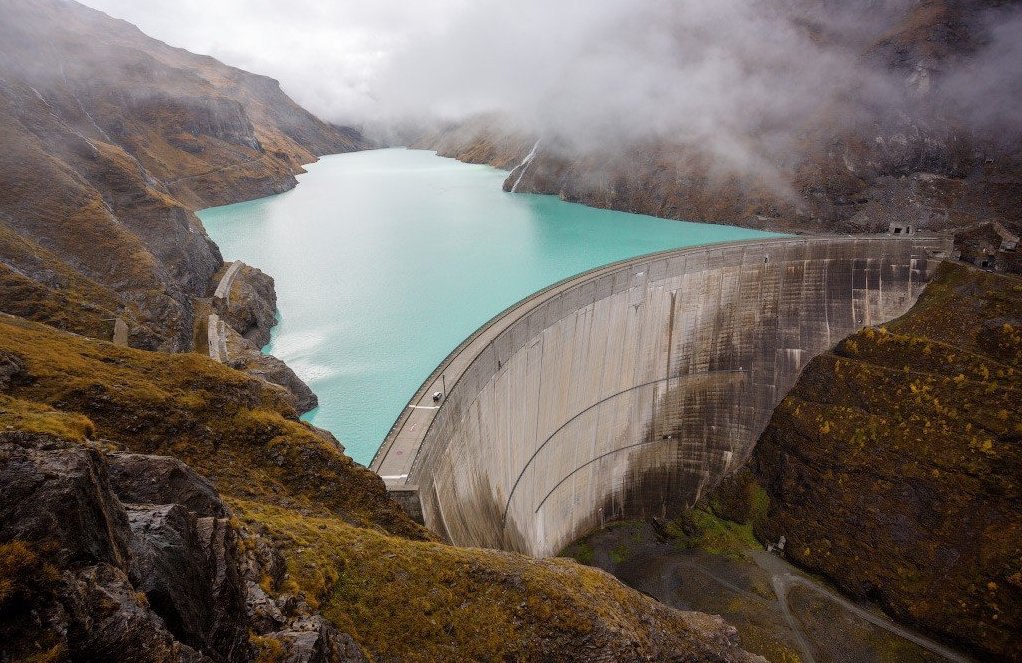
(785, 576)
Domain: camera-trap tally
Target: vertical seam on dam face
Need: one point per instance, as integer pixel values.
(632, 389)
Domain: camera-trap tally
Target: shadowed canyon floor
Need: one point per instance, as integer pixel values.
(781, 613)
(892, 471)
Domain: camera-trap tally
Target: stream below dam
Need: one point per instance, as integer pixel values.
(385, 260)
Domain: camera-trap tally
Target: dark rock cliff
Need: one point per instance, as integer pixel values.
(126, 570)
(894, 467)
(111, 140)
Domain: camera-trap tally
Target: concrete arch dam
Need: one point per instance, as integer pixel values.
(632, 389)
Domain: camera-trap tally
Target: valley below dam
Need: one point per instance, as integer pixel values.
(385, 260)
(388, 266)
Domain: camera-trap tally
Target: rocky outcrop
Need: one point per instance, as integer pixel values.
(250, 305)
(141, 479)
(139, 581)
(59, 512)
(188, 569)
(246, 301)
(894, 467)
(111, 140)
(244, 355)
(111, 552)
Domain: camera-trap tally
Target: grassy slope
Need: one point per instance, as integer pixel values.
(894, 465)
(349, 549)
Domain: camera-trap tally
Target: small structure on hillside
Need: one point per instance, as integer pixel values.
(897, 228)
(989, 245)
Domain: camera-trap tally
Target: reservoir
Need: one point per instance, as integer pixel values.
(385, 260)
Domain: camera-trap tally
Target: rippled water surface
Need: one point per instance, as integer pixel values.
(385, 260)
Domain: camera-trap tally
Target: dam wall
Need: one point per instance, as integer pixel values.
(631, 390)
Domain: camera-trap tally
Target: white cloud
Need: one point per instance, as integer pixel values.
(739, 79)
(325, 54)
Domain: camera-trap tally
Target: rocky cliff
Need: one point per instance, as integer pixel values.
(111, 140)
(269, 543)
(893, 467)
(857, 165)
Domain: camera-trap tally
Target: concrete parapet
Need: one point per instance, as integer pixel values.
(632, 389)
(222, 294)
(121, 332)
(216, 337)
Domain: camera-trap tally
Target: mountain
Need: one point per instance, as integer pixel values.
(111, 141)
(161, 506)
(892, 468)
(930, 138)
(269, 544)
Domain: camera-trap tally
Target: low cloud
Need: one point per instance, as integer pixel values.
(741, 80)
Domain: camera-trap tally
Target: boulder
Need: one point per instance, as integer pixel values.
(145, 479)
(56, 490)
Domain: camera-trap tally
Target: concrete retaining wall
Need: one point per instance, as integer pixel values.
(631, 390)
(216, 337)
(223, 288)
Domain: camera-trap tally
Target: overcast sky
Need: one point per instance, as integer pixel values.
(574, 63)
(740, 80)
(326, 54)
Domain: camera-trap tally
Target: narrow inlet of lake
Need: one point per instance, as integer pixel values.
(384, 261)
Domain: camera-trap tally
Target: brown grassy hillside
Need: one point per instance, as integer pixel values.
(349, 550)
(894, 467)
(111, 139)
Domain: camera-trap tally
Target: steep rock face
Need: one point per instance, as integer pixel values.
(251, 305)
(147, 582)
(111, 139)
(73, 536)
(894, 467)
(46, 483)
(193, 585)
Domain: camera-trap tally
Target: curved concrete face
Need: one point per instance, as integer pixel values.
(631, 390)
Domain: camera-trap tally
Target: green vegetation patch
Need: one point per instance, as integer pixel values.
(699, 528)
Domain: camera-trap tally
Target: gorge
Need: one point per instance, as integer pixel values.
(672, 441)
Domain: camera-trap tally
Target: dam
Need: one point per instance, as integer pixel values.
(630, 390)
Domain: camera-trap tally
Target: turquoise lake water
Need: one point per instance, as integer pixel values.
(386, 260)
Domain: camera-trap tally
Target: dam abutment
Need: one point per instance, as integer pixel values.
(630, 390)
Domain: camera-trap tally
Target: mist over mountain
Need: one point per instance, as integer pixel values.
(110, 140)
(800, 114)
(162, 499)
